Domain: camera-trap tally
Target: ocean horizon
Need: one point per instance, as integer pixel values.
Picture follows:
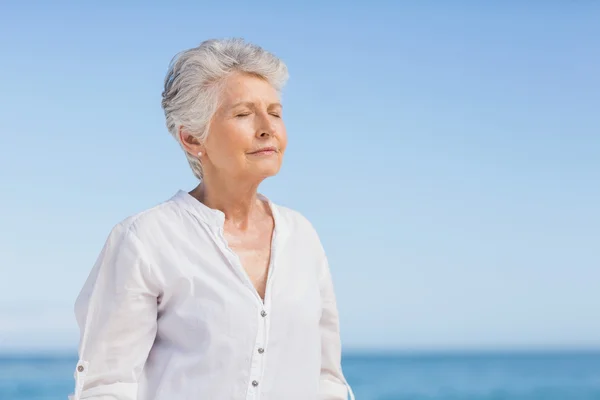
(376, 375)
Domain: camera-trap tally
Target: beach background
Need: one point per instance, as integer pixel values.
(448, 154)
(469, 376)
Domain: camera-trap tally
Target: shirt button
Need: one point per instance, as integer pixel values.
(263, 313)
(261, 350)
(80, 368)
(255, 383)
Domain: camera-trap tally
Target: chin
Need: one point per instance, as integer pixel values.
(270, 172)
(265, 171)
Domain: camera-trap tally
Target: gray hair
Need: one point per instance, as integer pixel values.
(192, 85)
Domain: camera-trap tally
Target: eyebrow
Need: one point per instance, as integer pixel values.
(251, 104)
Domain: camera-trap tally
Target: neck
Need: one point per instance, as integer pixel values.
(237, 200)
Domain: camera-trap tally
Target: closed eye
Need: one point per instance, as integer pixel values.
(276, 115)
(243, 115)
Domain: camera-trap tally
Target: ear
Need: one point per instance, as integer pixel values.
(190, 143)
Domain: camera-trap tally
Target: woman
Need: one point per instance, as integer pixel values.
(217, 293)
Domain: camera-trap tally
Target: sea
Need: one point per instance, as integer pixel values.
(378, 376)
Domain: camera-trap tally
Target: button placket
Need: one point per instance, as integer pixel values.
(257, 364)
(258, 358)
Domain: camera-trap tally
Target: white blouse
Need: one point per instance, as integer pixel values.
(169, 313)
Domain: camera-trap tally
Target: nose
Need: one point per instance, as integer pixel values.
(266, 128)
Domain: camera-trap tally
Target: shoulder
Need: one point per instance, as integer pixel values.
(294, 219)
(150, 222)
(298, 225)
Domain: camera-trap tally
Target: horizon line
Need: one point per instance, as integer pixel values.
(364, 351)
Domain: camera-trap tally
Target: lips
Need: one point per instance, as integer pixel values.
(265, 150)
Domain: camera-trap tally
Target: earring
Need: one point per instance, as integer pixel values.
(199, 154)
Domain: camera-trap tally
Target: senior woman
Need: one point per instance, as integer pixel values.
(216, 293)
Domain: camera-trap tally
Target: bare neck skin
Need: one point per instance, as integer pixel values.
(237, 200)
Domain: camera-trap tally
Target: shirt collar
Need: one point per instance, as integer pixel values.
(216, 217)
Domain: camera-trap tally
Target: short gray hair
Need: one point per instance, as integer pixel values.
(191, 92)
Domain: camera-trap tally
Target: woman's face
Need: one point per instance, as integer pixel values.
(247, 136)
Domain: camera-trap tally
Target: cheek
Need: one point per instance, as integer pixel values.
(282, 133)
(230, 144)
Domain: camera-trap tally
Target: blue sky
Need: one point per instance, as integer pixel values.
(448, 154)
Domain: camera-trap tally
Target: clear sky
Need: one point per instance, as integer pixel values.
(448, 154)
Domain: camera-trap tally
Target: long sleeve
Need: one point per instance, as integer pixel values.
(116, 313)
(333, 385)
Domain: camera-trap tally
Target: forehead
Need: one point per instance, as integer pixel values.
(247, 88)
